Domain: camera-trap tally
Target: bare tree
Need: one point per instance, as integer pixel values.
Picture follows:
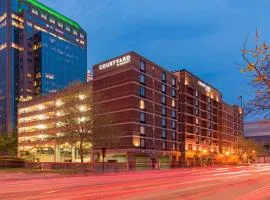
(257, 65)
(78, 123)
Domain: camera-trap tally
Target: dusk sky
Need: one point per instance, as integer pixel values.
(204, 37)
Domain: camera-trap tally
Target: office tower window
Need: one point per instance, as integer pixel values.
(163, 134)
(173, 92)
(173, 82)
(52, 20)
(173, 125)
(164, 145)
(163, 111)
(34, 11)
(75, 32)
(163, 99)
(142, 66)
(68, 28)
(174, 135)
(163, 88)
(142, 130)
(142, 143)
(163, 122)
(142, 104)
(142, 78)
(60, 25)
(143, 117)
(163, 77)
(174, 114)
(197, 121)
(44, 16)
(142, 91)
(173, 103)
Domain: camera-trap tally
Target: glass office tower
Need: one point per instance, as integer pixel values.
(41, 51)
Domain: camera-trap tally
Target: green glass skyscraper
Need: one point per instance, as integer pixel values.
(41, 51)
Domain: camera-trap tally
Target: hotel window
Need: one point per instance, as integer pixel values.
(163, 134)
(197, 121)
(174, 135)
(142, 143)
(163, 122)
(142, 104)
(164, 145)
(173, 82)
(196, 102)
(163, 88)
(142, 91)
(142, 66)
(173, 147)
(34, 11)
(43, 16)
(163, 111)
(209, 115)
(196, 111)
(173, 92)
(142, 117)
(142, 78)
(209, 100)
(81, 36)
(163, 77)
(52, 20)
(190, 147)
(173, 103)
(173, 125)
(196, 93)
(163, 99)
(209, 108)
(209, 133)
(173, 114)
(75, 32)
(142, 130)
(209, 124)
(196, 129)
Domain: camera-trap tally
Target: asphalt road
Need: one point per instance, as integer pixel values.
(239, 183)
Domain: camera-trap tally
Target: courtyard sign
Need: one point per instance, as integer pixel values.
(117, 62)
(206, 87)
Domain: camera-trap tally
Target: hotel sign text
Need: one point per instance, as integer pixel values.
(207, 88)
(117, 62)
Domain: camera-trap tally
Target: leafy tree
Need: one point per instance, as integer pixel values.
(8, 144)
(79, 123)
(250, 148)
(257, 65)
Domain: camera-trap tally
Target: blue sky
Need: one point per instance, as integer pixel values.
(204, 37)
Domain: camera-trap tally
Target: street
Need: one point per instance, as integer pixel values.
(240, 183)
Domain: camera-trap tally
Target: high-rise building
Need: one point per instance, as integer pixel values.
(41, 51)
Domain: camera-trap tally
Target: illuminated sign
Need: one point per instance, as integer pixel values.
(117, 62)
(206, 87)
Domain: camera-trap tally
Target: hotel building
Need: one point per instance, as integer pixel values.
(170, 116)
(41, 51)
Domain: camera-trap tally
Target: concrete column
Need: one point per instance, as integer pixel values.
(73, 157)
(57, 154)
(131, 162)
